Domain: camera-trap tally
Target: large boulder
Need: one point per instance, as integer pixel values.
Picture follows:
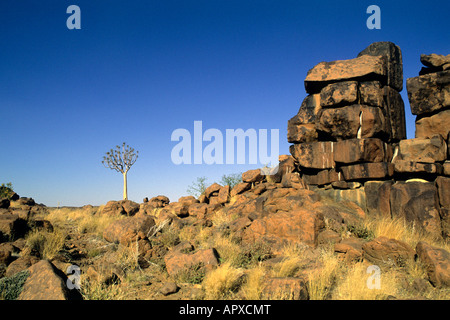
(355, 121)
(423, 150)
(437, 124)
(377, 198)
(387, 252)
(12, 227)
(130, 229)
(362, 68)
(394, 61)
(429, 93)
(178, 261)
(122, 207)
(417, 202)
(297, 226)
(359, 150)
(46, 282)
(437, 262)
(317, 155)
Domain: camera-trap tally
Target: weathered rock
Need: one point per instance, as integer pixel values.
(328, 237)
(346, 185)
(394, 115)
(298, 133)
(321, 177)
(377, 198)
(417, 202)
(179, 209)
(6, 252)
(446, 168)
(178, 261)
(224, 194)
(349, 250)
(301, 127)
(371, 93)
(46, 282)
(443, 187)
(348, 197)
(188, 200)
(159, 201)
(239, 188)
(368, 171)
(12, 226)
(359, 150)
(285, 288)
(405, 166)
(21, 263)
(252, 176)
(122, 207)
(130, 229)
(387, 252)
(437, 262)
(339, 94)
(4, 203)
(429, 93)
(355, 121)
(316, 155)
(364, 68)
(169, 288)
(212, 189)
(437, 124)
(423, 150)
(434, 60)
(394, 62)
(287, 227)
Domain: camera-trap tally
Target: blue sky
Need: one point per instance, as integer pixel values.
(138, 70)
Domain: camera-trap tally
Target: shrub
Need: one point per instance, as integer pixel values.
(6, 190)
(47, 244)
(11, 287)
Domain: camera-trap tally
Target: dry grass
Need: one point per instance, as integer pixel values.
(85, 220)
(48, 244)
(222, 282)
(97, 290)
(321, 281)
(354, 285)
(254, 283)
(399, 229)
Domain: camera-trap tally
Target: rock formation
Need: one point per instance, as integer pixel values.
(349, 136)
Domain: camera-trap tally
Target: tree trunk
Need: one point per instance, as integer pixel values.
(125, 192)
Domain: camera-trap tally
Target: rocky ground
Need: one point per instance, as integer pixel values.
(268, 237)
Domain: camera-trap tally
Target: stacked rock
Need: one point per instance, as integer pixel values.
(428, 154)
(352, 119)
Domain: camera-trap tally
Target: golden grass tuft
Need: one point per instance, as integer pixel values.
(354, 285)
(398, 228)
(254, 283)
(222, 282)
(321, 280)
(48, 244)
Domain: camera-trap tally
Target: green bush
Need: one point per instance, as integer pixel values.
(6, 190)
(11, 287)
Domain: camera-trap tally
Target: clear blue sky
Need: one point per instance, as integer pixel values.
(137, 70)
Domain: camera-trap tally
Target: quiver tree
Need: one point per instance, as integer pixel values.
(121, 159)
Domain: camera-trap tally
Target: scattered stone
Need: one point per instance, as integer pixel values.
(169, 288)
(177, 261)
(129, 229)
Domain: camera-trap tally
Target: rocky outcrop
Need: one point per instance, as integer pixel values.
(350, 134)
